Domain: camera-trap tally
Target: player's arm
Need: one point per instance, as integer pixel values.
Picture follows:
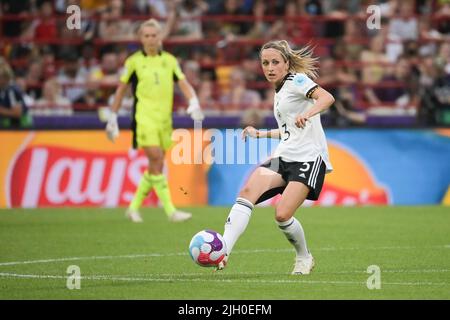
(112, 126)
(254, 133)
(194, 109)
(323, 100)
(118, 96)
(171, 18)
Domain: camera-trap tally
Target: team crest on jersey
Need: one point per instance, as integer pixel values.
(299, 80)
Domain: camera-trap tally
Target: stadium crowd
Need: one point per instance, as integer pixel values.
(400, 68)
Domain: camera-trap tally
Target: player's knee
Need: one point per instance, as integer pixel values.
(155, 165)
(245, 192)
(282, 214)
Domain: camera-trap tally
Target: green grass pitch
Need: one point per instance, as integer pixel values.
(122, 260)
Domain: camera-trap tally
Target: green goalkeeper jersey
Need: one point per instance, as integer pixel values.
(152, 79)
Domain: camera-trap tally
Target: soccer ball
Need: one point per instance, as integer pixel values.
(207, 248)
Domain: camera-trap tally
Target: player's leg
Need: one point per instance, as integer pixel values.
(293, 197)
(155, 156)
(261, 180)
(158, 180)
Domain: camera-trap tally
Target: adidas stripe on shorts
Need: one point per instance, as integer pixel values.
(311, 174)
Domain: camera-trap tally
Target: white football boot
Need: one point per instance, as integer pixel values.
(180, 216)
(303, 265)
(222, 264)
(134, 216)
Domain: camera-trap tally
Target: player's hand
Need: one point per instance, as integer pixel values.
(250, 132)
(194, 110)
(112, 127)
(300, 121)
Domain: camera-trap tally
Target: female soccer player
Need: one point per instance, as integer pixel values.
(298, 166)
(152, 72)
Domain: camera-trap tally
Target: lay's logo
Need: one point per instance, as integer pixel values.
(57, 176)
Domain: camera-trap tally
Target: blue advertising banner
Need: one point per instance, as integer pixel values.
(371, 167)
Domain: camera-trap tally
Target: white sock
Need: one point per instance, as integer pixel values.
(293, 231)
(236, 222)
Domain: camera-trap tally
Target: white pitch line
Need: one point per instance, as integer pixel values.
(128, 256)
(134, 279)
(162, 255)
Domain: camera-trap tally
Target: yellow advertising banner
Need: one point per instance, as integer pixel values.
(83, 168)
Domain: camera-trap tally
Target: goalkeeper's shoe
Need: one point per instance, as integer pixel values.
(303, 265)
(134, 216)
(179, 216)
(222, 264)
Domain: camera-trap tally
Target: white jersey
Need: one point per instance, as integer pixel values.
(293, 97)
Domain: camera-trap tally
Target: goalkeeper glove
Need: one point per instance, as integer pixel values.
(112, 127)
(194, 110)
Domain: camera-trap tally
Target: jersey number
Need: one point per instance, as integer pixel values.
(156, 78)
(306, 168)
(286, 132)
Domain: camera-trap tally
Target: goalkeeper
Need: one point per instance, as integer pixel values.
(152, 73)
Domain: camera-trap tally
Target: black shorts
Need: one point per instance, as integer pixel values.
(311, 174)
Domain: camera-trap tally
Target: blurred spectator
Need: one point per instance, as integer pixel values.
(230, 29)
(113, 27)
(52, 101)
(239, 97)
(34, 78)
(48, 61)
(349, 6)
(405, 24)
(267, 102)
(160, 8)
(338, 14)
(14, 28)
(13, 111)
(252, 117)
(311, 7)
(293, 26)
(22, 86)
(374, 61)
(399, 87)
(93, 5)
(443, 15)
(127, 102)
(392, 42)
(44, 27)
(189, 25)
(261, 28)
(352, 38)
(191, 70)
(411, 52)
(443, 57)
(72, 78)
(206, 97)
(105, 76)
(389, 8)
(340, 84)
(435, 94)
(429, 37)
